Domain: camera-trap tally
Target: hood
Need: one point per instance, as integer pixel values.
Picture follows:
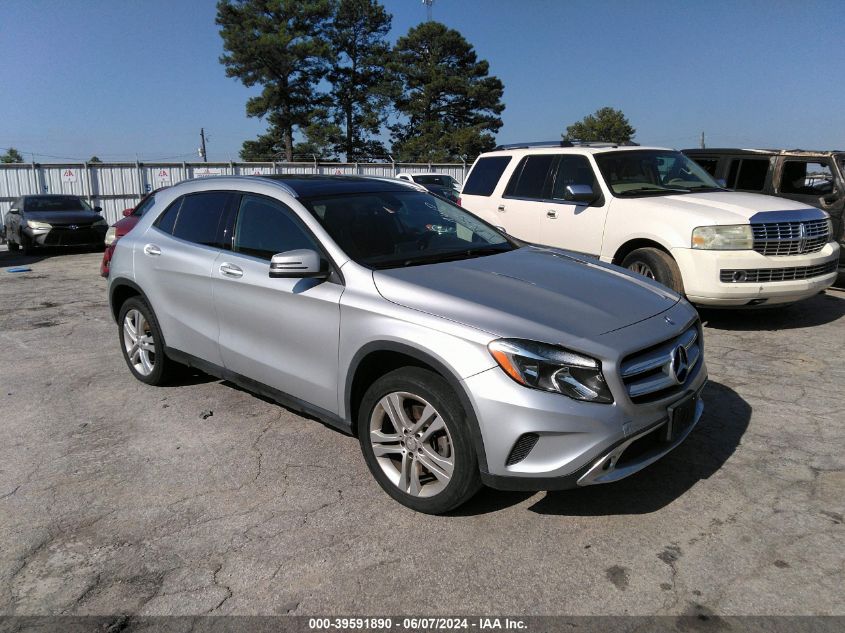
(721, 207)
(543, 294)
(64, 217)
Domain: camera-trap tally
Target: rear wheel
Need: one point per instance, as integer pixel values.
(416, 441)
(142, 343)
(655, 264)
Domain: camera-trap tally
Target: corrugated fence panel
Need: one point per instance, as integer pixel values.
(117, 186)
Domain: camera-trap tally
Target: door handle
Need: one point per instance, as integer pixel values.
(230, 270)
(152, 250)
(501, 207)
(551, 213)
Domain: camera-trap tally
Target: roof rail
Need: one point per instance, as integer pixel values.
(565, 143)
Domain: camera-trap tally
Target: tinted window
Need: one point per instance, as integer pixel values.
(708, 164)
(800, 177)
(265, 227)
(530, 177)
(146, 205)
(572, 170)
(55, 203)
(485, 175)
(752, 174)
(167, 220)
(200, 216)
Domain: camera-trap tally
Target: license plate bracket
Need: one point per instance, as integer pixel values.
(681, 416)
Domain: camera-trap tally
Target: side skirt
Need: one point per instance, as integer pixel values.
(280, 397)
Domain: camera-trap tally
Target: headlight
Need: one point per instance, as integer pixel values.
(35, 224)
(830, 236)
(111, 236)
(551, 368)
(736, 237)
(100, 222)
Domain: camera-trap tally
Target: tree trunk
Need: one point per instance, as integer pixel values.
(288, 134)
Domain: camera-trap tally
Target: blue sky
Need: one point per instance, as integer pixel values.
(121, 78)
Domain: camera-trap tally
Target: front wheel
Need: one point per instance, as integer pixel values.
(655, 264)
(416, 441)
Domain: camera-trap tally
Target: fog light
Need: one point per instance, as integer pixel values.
(738, 276)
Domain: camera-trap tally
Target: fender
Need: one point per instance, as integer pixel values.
(445, 372)
(120, 282)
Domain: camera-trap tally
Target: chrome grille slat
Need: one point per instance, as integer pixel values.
(649, 372)
(762, 275)
(785, 238)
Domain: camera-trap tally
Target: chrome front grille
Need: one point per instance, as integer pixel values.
(654, 373)
(790, 238)
(761, 275)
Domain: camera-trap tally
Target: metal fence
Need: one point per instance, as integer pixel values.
(117, 186)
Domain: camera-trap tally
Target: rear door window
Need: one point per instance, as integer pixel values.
(197, 218)
(485, 175)
(805, 178)
(529, 179)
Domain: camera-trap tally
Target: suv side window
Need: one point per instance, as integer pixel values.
(748, 174)
(265, 227)
(485, 175)
(529, 178)
(708, 164)
(196, 217)
(572, 170)
(802, 177)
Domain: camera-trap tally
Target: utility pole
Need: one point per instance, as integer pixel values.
(203, 155)
(702, 140)
(428, 4)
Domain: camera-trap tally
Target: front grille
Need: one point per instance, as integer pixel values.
(522, 447)
(762, 275)
(64, 236)
(790, 238)
(656, 372)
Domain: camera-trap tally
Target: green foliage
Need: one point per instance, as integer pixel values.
(281, 46)
(450, 105)
(94, 159)
(606, 124)
(11, 156)
(360, 87)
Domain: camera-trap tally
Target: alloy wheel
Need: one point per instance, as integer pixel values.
(412, 444)
(138, 342)
(641, 268)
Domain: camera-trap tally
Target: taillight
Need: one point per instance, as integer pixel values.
(458, 202)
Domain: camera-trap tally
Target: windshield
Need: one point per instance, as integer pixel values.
(442, 180)
(393, 229)
(55, 203)
(653, 172)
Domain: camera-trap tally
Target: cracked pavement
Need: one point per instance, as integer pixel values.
(119, 498)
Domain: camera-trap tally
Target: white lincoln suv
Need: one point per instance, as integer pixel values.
(656, 212)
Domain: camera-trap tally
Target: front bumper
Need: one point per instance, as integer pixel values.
(572, 437)
(701, 270)
(64, 236)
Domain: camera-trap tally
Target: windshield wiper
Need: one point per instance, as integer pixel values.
(651, 190)
(449, 256)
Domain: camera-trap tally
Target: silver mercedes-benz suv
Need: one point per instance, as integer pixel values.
(457, 355)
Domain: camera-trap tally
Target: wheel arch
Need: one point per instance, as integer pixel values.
(377, 358)
(636, 243)
(120, 290)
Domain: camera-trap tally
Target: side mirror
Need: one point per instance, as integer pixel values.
(722, 182)
(98, 209)
(579, 193)
(127, 212)
(298, 264)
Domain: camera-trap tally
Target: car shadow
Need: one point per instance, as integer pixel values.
(708, 447)
(823, 308)
(10, 259)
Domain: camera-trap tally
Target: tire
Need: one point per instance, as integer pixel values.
(432, 485)
(13, 246)
(147, 361)
(655, 264)
(26, 245)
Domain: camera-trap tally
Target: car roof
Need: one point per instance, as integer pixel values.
(578, 149)
(308, 185)
(759, 152)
